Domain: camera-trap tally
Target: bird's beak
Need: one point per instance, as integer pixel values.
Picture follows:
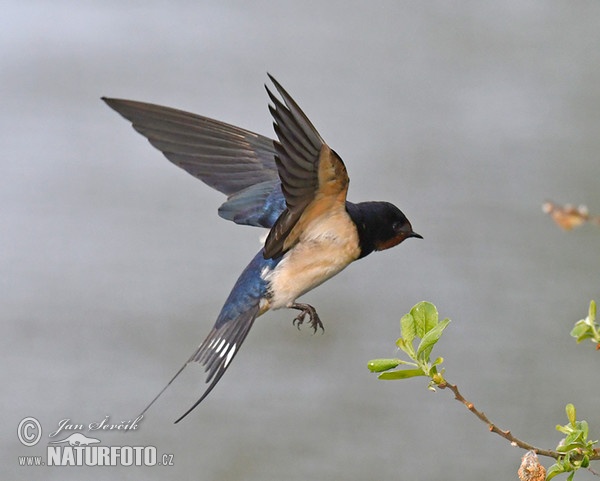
(414, 234)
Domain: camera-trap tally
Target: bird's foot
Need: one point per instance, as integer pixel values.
(309, 310)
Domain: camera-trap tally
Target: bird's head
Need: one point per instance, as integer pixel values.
(394, 227)
(380, 225)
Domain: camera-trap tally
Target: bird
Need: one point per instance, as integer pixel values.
(295, 186)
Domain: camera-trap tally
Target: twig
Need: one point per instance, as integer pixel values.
(505, 434)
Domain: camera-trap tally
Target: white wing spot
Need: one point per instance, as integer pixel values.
(229, 355)
(220, 346)
(224, 350)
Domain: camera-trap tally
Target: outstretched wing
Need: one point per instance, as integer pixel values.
(313, 177)
(234, 161)
(237, 316)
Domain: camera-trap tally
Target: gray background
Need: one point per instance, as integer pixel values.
(468, 115)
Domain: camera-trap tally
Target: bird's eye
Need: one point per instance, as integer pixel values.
(397, 226)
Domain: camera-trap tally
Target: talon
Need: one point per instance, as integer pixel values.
(299, 320)
(307, 309)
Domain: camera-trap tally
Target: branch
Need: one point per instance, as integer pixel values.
(505, 434)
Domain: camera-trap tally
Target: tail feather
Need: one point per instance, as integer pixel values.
(216, 356)
(223, 342)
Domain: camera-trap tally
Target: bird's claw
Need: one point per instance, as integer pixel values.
(311, 312)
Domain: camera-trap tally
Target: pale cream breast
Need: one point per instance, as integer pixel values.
(327, 245)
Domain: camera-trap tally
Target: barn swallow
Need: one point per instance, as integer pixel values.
(295, 186)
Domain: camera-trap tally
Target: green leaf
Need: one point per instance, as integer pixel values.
(437, 362)
(583, 337)
(580, 328)
(571, 414)
(582, 331)
(379, 365)
(408, 328)
(407, 347)
(566, 447)
(401, 374)
(429, 340)
(425, 315)
(554, 470)
(592, 311)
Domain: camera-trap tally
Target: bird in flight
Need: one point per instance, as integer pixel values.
(295, 186)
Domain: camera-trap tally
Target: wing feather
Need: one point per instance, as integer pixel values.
(225, 157)
(306, 166)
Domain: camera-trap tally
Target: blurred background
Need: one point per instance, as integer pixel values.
(467, 115)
